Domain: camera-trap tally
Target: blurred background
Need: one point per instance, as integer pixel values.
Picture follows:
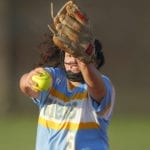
(123, 27)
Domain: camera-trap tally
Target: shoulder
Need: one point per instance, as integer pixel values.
(108, 84)
(58, 74)
(55, 71)
(106, 79)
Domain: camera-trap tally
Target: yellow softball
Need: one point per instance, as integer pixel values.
(43, 81)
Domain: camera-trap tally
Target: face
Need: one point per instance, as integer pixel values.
(70, 63)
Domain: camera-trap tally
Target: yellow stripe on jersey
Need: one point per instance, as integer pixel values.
(67, 125)
(78, 96)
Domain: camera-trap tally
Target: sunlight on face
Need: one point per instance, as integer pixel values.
(71, 63)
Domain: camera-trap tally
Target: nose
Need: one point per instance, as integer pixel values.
(70, 60)
(73, 58)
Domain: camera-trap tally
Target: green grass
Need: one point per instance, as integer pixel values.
(17, 133)
(130, 133)
(125, 133)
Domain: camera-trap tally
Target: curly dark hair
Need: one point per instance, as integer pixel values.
(100, 59)
(51, 55)
(49, 52)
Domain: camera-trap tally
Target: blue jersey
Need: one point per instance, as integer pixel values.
(71, 119)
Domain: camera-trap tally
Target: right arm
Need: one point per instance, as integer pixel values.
(26, 83)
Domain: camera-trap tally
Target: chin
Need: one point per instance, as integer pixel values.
(75, 70)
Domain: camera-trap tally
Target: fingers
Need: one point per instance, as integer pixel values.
(70, 22)
(74, 11)
(29, 82)
(64, 30)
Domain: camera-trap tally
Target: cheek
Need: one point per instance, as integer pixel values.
(66, 60)
(66, 66)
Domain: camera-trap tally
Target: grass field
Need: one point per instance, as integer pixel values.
(130, 133)
(125, 133)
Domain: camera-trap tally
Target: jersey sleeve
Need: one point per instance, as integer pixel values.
(105, 107)
(42, 98)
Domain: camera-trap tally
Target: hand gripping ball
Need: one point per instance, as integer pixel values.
(43, 81)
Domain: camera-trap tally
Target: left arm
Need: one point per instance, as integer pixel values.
(93, 79)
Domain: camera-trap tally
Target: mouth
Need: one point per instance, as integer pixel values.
(74, 66)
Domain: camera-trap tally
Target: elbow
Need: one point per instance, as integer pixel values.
(98, 93)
